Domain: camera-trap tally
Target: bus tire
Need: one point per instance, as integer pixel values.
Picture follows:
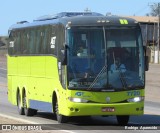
(123, 119)
(19, 104)
(27, 111)
(60, 118)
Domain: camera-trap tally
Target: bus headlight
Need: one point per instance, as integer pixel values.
(77, 100)
(136, 99)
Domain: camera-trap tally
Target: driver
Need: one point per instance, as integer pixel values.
(117, 65)
(89, 73)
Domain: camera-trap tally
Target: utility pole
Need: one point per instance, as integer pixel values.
(156, 55)
(158, 37)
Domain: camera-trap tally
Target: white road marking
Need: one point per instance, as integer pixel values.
(3, 69)
(17, 119)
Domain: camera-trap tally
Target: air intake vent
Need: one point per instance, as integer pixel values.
(22, 22)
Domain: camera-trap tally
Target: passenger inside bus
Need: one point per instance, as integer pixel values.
(82, 51)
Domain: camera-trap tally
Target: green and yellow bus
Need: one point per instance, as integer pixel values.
(67, 64)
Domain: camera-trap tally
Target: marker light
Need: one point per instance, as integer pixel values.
(103, 21)
(69, 25)
(77, 100)
(136, 99)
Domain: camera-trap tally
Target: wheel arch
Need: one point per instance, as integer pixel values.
(17, 93)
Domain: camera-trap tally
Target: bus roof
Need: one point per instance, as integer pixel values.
(76, 19)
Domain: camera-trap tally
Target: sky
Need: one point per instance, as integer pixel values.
(13, 11)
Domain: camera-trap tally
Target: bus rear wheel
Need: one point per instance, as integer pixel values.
(60, 118)
(123, 119)
(19, 104)
(27, 111)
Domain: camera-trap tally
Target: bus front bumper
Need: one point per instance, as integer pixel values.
(91, 109)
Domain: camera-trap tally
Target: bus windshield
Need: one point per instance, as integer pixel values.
(105, 59)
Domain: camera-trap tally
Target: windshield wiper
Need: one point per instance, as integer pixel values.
(122, 78)
(98, 76)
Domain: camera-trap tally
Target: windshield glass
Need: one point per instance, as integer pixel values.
(103, 59)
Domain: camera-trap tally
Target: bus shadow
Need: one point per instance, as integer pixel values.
(147, 119)
(46, 115)
(98, 122)
(143, 120)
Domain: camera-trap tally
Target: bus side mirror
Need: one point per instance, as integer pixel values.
(146, 63)
(64, 59)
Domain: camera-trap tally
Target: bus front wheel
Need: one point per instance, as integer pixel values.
(60, 118)
(123, 119)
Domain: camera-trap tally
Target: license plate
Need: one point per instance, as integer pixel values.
(108, 109)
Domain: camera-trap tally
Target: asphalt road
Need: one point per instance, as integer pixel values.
(3, 73)
(150, 118)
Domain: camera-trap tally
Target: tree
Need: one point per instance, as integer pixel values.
(155, 9)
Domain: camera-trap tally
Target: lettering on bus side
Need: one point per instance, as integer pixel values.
(53, 42)
(133, 93)
(11, 44)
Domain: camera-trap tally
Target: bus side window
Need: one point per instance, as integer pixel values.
(38, 41)
(53, 47)
(16, 43)
(11, 43)
(23, 42)
(41, 48)
(45, 40)
(48, 40)
(32, 42)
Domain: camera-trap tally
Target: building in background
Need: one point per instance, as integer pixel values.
(3, 45)
(149, 27)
